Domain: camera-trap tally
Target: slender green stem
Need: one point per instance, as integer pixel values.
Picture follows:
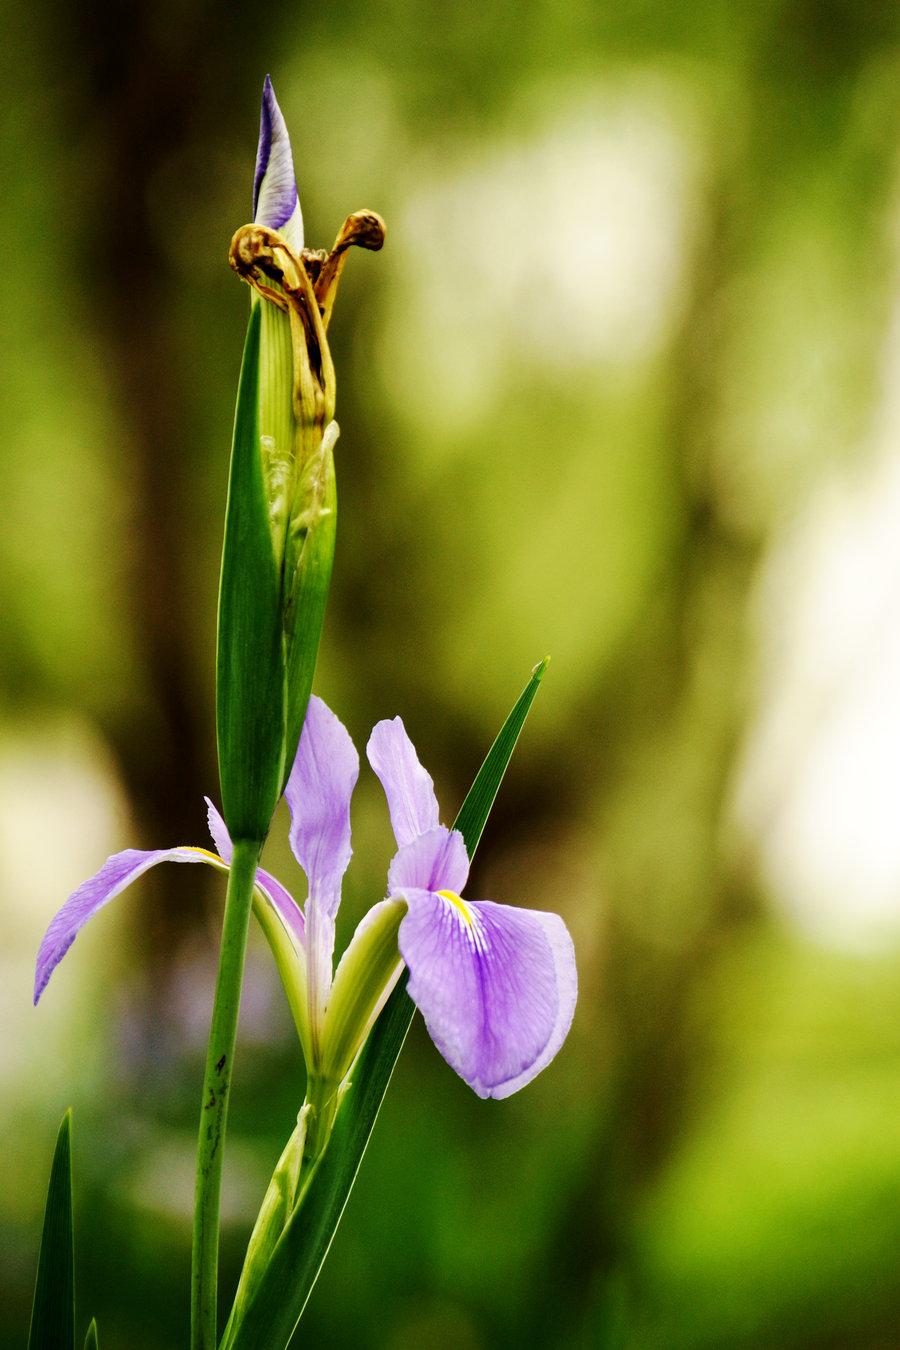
(216, 1086)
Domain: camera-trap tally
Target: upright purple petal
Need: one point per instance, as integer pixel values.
(408, 787)
(496, 986)
(116, 873)
(435, 861)
(275, 201)
(318, 795)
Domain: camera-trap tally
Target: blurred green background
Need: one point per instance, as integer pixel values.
(622, 388)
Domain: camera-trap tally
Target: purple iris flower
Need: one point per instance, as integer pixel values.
(496, 985)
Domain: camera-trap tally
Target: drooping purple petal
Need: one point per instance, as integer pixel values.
(563, 955)
(408, 787)
(496, 986)
(275, 201)
(116, 873)
(435, 861)
(282, 901)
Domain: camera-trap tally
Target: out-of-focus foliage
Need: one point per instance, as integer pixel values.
(634, 316)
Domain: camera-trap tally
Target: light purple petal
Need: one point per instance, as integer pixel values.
(275, 201)
(563, 955)
(435, 861)
(283, 903)
(116, 873)
(496, 986)
(219, 831)
(408, 787)
(318, 795)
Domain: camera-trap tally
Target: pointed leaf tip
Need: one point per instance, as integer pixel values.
(475, 809)
(53, 1310)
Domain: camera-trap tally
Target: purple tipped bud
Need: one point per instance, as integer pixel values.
(275, 201)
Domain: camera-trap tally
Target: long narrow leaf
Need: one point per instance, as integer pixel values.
(90, 1341)
(250, 688)
(275, 1310)
(53, 1311)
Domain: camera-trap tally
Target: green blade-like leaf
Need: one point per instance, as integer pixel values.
(250, 673)
(473, 813)
(53, 1311)
(90, 1340)
(275, 1310)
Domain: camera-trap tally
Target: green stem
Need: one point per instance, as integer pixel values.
(323, 1100)
(216, 1086)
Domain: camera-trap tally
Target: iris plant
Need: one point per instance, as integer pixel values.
(496, 985)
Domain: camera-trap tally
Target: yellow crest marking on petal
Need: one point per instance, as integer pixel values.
(460, 904)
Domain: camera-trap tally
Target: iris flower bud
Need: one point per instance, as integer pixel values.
(282, 506)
